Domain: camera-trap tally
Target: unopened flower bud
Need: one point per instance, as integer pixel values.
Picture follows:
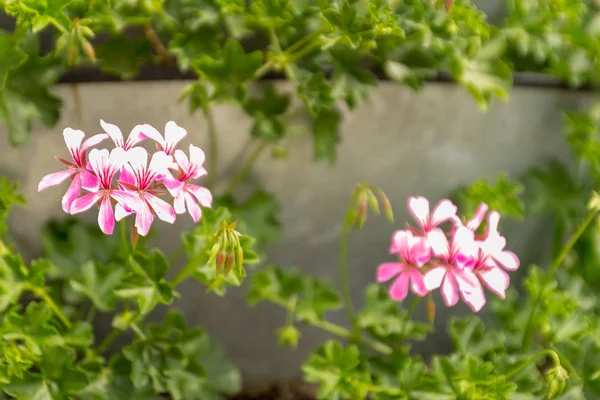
(386, 206)
(372, 201)
(89, 50)
(430, 308)
(229, 262)
(448, 4)
(239, 258)
(220, 262)
(557, 381)
(361, 215)
(134, 236)
(288, 335)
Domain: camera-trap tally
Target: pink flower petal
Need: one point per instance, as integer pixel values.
(55, 178)
(173, 135)
(140, 133)
(495, 279)
(450, 290)
(85, 202)
(126, 175)
(387, 271)
(202, 194)
(113, 132)
(182, 160)
(399, 288)
(417, 283)
(72, 193)
(89, 181)
(192, 207)
(445, 210)
(163, 210)
(174, 186)
(106, 217)
(128, 200)
(419, 208)
(507, 260)
(73, 139)
(138, 160)
(420, 252)
(474, 223)
(160, 163)
(143, 219)
(92, 141)
(434, 277)
(179, 203)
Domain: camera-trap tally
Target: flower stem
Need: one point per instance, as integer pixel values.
(213, 146)
(528, 333)
(46, 298)
(519, 367)
(159, 47)
(411, 309)
(343, 271)
(345, 333)
(247, 167)
(108, 340)
(187, 270)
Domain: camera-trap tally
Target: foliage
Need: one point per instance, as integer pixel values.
(541, 341)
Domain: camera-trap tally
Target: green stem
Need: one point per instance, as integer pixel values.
(528, 333)
(304, 51)
(187, 270)
(135, 327)
(108, 340)
(124, 241)
(345, 333)
(46, 298)
(411, 309)
(343, 271)
(91, 314)
(213, 146)
(266, 67)
(521, 366)
(247, 167)
(296, 45)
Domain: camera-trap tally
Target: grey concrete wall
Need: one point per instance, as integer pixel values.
(407, 143)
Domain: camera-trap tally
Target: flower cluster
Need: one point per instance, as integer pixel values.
(123, 177)
(458, 262)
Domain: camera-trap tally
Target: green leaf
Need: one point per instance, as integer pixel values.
(326, 136)
(190, 46)
(338, 371)
(146, 281)
(471, 337)
(12, 55)
(123, 56)
(350, 82)
(98, 283)
(38, 14)
(9, 197)
(16, 278)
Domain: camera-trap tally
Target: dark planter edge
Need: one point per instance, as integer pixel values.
(169, 73)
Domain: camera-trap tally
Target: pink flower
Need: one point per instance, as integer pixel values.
(486, 269)
(186, 194)
(147, 189)
(475, 222)
(138, 134)
(419, 208)
(414, 253)
(495, 244)
(76, 170)
(105, 166)
(454, 273)
(173, 135)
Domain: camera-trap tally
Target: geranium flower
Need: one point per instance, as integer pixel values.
(418, 206)
(414, 253)
(76, 170)
(105, 165)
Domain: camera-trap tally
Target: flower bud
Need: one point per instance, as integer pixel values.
(430, 308)
(239, 258)
(361, 215)
(386, 206)
(288, 335)
(448, 4)
(221, 257)
(134, 236)
(557, 381)
(89, 50)
(229, 262)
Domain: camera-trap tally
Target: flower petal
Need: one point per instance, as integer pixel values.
(439, 243)
(192, 207)
(182, 160)
(106, 217)
(474, 223)
(444, 211)
(55, 178)
(434, 277)
(495, 279)
(417, 281)
(160, 163)
(419, 208)
(179, 203)
(507, 260)
(463, 243)
(73, 139)
(197, 158)
(475, 298)
(85, 202)
(121, 212)
(72, 193)
(163, 210)
(173, 135)
(140, 133)
(387, 271)
(138, 160)
(450, 290)
(129, 201)
(113, 132)
(89, 181)
(93, 140)
(399, 288)
(143, 219)
(174, 186)
(202, 194)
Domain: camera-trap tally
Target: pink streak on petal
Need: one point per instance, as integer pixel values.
(387, 271)
(93, 140)
(474, 223)
(475, 299)
(445, 210)
(163, 210)
(420, 252)
(419, 208)
(417, 283)
(128, 200)
(179, 203)
(399, 288)
(434, 277)
(106, 217)
(89, 181)
(138, 160)
(450, 290)
(73, 139)
(173, 135)
(174, 186)
(496, 280)
(85, 202)
(126, 175)
(143, 219)
(192, 207)
(72, 193)
(182, 160)
(55, 178)
(439, 243)
(507, 260)
(140, 133)
(113, 132)
(202, 194)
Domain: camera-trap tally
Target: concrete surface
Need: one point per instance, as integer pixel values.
(407, 143)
